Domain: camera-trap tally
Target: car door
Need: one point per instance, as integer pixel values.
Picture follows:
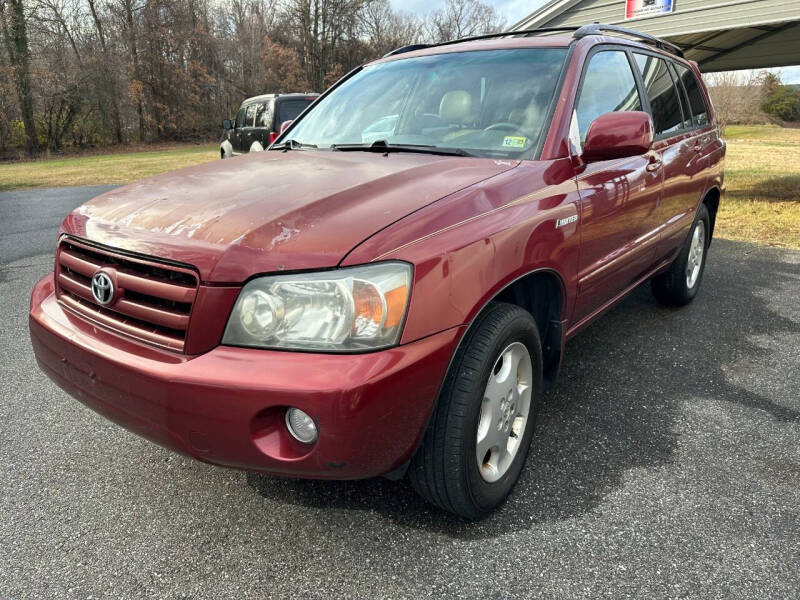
(675, 139)
(236, 136)
(619, 198)
(697, 149)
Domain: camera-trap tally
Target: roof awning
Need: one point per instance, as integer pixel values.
(719, 35)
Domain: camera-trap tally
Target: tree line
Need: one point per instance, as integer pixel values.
(87, 73)
(752, 97)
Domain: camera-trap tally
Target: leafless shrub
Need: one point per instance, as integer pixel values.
(737, 97)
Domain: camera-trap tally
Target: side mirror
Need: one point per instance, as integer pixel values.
(227, 124)
(285, 125)
(618, 135)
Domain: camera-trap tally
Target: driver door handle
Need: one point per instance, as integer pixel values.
(654, 163)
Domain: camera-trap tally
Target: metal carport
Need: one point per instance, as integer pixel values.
(720, 36)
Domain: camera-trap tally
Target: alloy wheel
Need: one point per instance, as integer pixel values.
(504, 412)
(697, 249)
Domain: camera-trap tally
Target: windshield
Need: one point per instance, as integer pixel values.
(487, 103)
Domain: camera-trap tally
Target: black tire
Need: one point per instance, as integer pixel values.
(444, 470)
(671, 287)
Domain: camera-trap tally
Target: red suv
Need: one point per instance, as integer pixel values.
(386, 290)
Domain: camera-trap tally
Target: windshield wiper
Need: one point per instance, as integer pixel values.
(384, 147)
(292, 145)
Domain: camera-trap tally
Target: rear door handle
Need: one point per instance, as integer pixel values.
(654, 164)
(698, 148)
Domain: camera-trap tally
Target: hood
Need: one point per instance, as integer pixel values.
(272, 211)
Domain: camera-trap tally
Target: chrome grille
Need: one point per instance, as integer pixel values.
(153, 300)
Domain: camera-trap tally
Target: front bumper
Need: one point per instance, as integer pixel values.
(226, 406)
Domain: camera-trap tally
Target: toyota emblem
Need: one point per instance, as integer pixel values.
(102, 288)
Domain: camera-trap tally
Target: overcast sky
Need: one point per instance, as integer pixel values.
(515, 10)
(512, 10)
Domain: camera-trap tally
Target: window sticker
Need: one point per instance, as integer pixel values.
(512, 141)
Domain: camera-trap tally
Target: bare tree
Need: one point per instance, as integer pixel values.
(15, 35)
(463, 18)
(321, 27)
(109, 88)
(386, 29)
(737, 97)
(283, 71)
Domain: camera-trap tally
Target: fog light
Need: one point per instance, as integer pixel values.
(301, 426)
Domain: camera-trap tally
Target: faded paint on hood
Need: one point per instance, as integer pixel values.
(274, 210)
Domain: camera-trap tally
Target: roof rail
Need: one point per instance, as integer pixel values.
(600, 29)
(473, 38)
(578, 33)
(404, 49)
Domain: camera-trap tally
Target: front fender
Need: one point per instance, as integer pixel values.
(469, 246)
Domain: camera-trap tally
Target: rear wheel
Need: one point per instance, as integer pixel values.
(478, 438)
(678, 285)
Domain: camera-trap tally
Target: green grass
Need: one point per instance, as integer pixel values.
(762, 133)
(762, 203)
(762, 176)
(114, 168)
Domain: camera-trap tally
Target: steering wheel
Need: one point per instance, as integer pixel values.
(504, 126)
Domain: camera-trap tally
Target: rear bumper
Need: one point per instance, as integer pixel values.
(226, 406)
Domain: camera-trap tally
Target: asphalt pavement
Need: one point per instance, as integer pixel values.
(666, 465)
(29, 219)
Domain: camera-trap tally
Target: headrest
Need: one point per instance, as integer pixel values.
(455, 106)
(529, 118)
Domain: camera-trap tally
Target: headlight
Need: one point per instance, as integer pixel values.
(344, 310)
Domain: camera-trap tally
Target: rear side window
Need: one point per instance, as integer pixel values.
(696, 100)
(661, 91)
(288, 110)
(687, 113)
(608, 86)
(264, 115)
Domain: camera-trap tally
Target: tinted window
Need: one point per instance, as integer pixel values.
(661, 91)
(289, 109)
(696, 100)
(241, 116)
(608, 86)
(264, 115)
(687, 113)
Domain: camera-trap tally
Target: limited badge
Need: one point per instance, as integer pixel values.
(512, 141)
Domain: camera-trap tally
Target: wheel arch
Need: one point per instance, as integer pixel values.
(541, 292)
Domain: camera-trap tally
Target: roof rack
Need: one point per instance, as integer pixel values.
(473, 38)
(600, 29)
(578, 33)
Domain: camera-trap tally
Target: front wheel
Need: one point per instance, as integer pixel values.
(478, 438)
(678, 285)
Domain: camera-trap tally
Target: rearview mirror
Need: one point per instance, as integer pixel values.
(285, 125)
(227, 124)
(618, 135)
